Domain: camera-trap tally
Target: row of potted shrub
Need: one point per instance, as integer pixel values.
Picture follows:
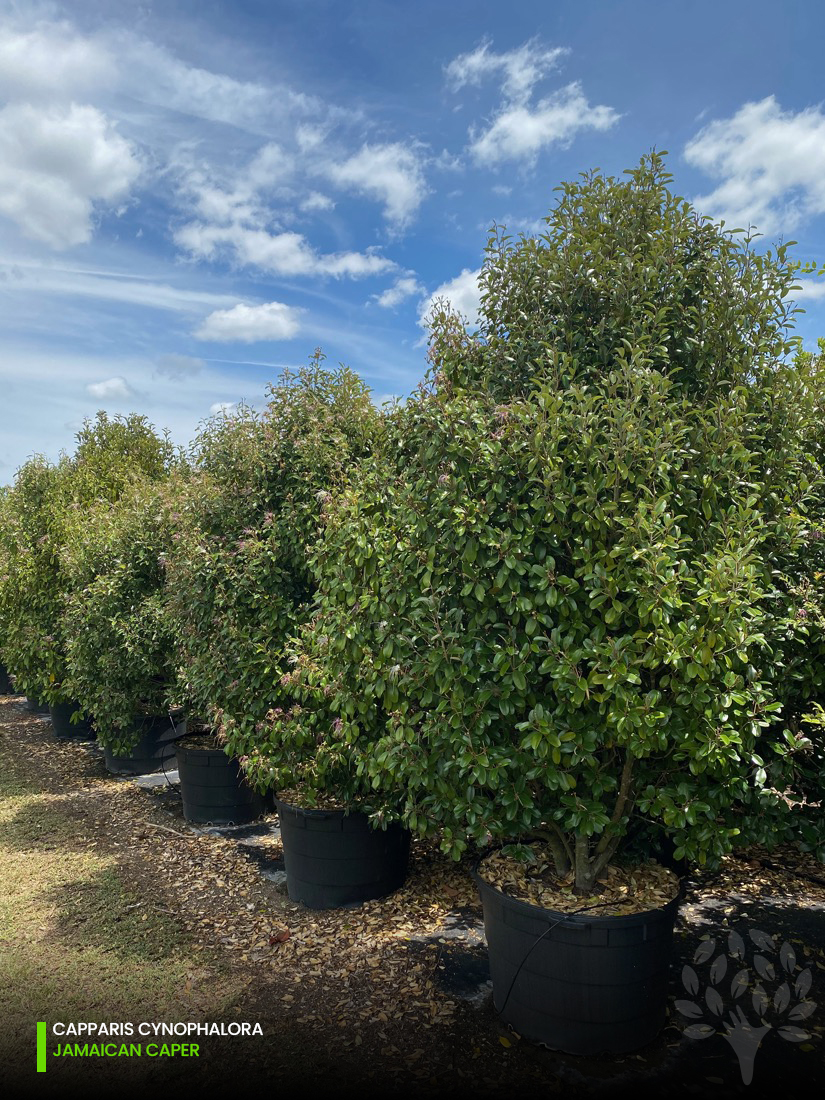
(566, 598)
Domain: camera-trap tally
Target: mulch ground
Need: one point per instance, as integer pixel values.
(389, 996)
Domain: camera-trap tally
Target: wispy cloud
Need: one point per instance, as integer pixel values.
(315, 202)
(519, 70)
(521, 126)
(54, 60)
(41, 278)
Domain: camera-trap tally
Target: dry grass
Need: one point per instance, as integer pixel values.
(76, 942)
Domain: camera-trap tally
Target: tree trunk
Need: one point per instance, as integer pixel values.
(585, 867)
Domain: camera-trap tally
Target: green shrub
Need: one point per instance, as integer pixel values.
(543, 605)
(110, 455)
(121, 652)
(797, 633)
(239, 576)
(32, 591)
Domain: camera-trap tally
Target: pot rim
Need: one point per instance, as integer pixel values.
(312, 811)
(181, 742)
(583, 917)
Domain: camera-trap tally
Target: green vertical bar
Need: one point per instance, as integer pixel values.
(41, 1048)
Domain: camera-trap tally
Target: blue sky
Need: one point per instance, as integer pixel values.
(196, 195)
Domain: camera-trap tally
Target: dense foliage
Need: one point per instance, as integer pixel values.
(32, 589)
(543, 607)
(121, 652)
(239, 576)
(573, 588)
(110, 455)
(797, 632)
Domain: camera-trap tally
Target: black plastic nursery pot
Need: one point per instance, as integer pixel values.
(581, 984)
(35, 706)
(64, 727)
(333, 858)
(213, 788)
(154, 751)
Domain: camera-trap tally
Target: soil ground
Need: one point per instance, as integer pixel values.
(113, 909)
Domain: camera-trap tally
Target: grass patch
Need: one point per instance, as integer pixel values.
(78, 940)
(102, 911)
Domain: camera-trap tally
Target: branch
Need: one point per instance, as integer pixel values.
(559, 846)
(621, 803)
(605, 854)
(606, 848)
(166, 829)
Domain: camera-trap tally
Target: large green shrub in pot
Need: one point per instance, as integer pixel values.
(110, 454)
(6, 518)
(31, 590)
(121, 652)
(239, 580)
(797, 634)
(544, 607)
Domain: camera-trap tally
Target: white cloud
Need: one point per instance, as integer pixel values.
(270, 166)
(226, 196)
(463, 293)
(163, 102)
(771, 164)
(521, 129)
(810, 289)
(402, 288)
(179, 367)
(391, 174)
(520, 132)
(224, 407)
(279, 253)
(316, 201)
(57, 164)
(447, 162)
(249, 324)
(51, 60)
(55, 60)
(309, 136)
(111, 389)
(519, 69)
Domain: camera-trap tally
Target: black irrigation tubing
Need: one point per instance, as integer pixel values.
(163, 759)
(538, 939)
(172, 786)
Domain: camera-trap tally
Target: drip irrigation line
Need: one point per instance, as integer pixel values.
(163, 759)
(538, 939)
